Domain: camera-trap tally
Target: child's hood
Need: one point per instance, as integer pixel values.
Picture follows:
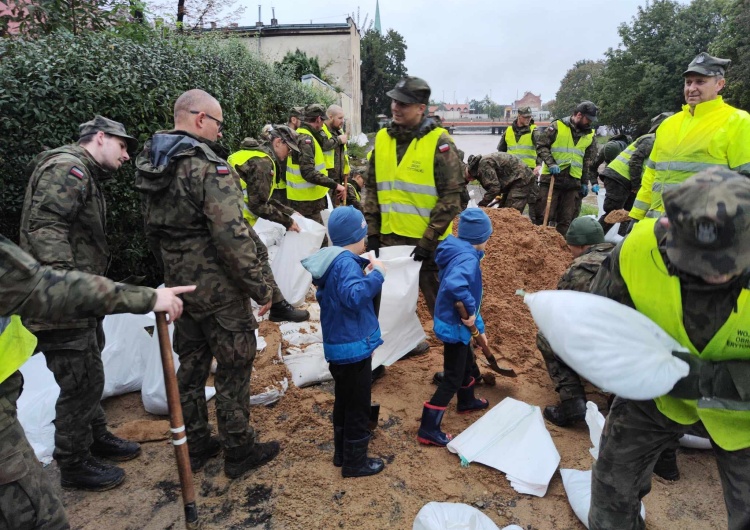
(452, 247)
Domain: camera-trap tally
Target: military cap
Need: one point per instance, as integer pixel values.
(107, 126)
(705, 64)
(296, 112)
(657, 120)
(584, 231)
(588, 109)
(286, 134)
(709, 223)
(438, 120)
(613, 148)
(524, 111)
(411, 90)
(313, 110)
(473, 163)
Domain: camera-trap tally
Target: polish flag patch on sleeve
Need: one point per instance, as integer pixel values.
(444, 148)
(76, 172)
(222, 170)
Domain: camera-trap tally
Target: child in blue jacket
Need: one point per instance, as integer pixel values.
(460, 281)
(350, 334)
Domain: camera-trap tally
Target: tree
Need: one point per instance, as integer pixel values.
(196, 14)
(382, 66)
(42, 17)
(296, 64)
(577, 85)
(733, 43)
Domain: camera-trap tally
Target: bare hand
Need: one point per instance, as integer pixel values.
(341, 192)
(168, 302)
(469, 321)
(537, 171)
(343, 139)
(264, 309)
(295, 227)
(374, 262)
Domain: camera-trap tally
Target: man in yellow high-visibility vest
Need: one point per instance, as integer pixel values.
(690, 274)
(334, 149)
(707, 132)
(518, 140)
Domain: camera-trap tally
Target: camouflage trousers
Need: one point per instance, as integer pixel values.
(567, 382)
(516, 195)
(261, 251)
(618, 197)
(27, 498)
(634, 436)
(428, 272)
(74, 356)
(310, 209)
(229, 336)
(565, 206)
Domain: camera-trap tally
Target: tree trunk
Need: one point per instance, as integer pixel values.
(180, 14)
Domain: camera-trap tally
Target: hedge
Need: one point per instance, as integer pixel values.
(50, 85)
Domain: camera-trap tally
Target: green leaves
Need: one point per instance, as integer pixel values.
(382, 66)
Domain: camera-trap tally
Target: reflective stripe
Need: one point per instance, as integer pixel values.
(408, 209)
(407, 186)
(654, 214)
(518, 147)
(650, 163)
(640, 205)
(661, 187)
(567, 150)
(744, 168)
(319, 167)
(523, 148)
(567, 153)
(293, 170)
(300, 185)
(297, 188)
(692, 167)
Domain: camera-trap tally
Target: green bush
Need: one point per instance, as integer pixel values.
(50, 85)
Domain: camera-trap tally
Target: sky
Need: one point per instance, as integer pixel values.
(472, 48)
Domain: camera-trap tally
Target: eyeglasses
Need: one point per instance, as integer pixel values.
(219, 122)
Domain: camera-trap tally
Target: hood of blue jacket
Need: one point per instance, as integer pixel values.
(451, 247)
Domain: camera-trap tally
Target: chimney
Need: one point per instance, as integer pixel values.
(274, 21)
(259, 24)
(213, 25)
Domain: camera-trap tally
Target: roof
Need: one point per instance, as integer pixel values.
(286, 29)
(456, 106)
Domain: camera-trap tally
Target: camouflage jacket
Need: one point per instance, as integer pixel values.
(580, 274)
(258, 174)
(517, 131)
(449, 183)
(35, 291)
(63, 223)
(340, 158)
(194, 223)
(354, 195)
(306, 156)
(644, 145)
(543, 141)
(497, 171)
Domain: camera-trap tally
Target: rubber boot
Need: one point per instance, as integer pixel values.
(240, 460)
(378, 372)
(284, 312)
(198, 459)
(338, 446)
(356, 461)
(569, 412)
(91, 475)
(109, 446)
(467, 402)
(429, 430)
(666, 466)
(438, 378)
(420, 349)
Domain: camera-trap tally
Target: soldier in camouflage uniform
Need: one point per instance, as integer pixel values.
(355, 188)
(521, 126)
(193, 219)
(695, 264)
(29, 290)
(63, 224)
(501, 174)
(409, 100)
(569, 189)
(334, 142)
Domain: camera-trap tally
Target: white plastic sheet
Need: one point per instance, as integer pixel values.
(400, 327)
(290, 275)
(454, 516)
(308, 366)
(577, 486)
(692, 441)
(618, 349)
(124, 354)
(36, 406)
(595, 421)
(269, 232)
(512, 438)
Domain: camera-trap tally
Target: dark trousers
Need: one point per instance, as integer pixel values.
(565, 205)
(428, 272)
(617, 198)
(351, 405)
(567, 382)
(458, 365)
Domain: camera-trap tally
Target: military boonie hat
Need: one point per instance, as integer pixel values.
(107, 126)
(411, 90)
(584, 231)
(473, 163)
(588, 109)
(296, 112)
(657, 120)
(705, 64)
(313, 110)
(524, 111)
(286, 134)
(709, 223)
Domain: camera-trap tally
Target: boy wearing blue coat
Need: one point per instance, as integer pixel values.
(350, 334)
(460, 281)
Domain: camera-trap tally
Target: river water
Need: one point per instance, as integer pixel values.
(476, 144)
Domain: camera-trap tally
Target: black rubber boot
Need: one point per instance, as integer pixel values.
(242, 459)
(356, 461)
(420, 349)
(378, 372)
(568, 413)
(438, 378)
(338, 446)
(91, 475)
(467, 402)
(284, 312)
(109, 446)
(198, 459)
(429, 429)
(666, 466)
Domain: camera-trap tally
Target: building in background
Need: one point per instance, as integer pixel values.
(531, 100)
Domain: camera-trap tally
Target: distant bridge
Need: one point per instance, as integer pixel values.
(494, 127)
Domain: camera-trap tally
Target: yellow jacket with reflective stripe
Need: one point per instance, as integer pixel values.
(715, 134)
(523, 148)
(16, 346)
(657, 295)
(330, 156)
(406, 190)
(568, 154)
(297, 188)
(621, 164)
(239, 158)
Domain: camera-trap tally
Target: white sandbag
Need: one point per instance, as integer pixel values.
(36, 406)
(301, 333)
(269, 232)
(617, 348)
(692, 441)
(308, 366)
(512, 438)
(124, 354)
(400, 327)
(452, 516)
(270, 395)
(293, 279)
(595, 421)
(577, 486)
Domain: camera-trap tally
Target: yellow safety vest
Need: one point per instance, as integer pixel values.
(567, 153)
(406, 190)
(621, 164)
(657, 295)
(688, 143)
(16, 346)
(239, 158)
(524, 148)
(297, 188)
(330, 155)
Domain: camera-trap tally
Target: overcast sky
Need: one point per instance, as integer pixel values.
(473, 48)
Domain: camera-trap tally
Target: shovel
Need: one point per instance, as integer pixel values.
(482, 343)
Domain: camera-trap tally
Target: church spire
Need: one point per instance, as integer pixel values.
(377, 16)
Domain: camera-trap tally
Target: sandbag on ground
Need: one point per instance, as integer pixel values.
(36, 406)
(454, 516)
(124, 355)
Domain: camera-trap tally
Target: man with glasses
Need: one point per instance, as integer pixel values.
(193, 219)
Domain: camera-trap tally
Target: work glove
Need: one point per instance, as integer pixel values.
(420, 254)
(595, 189)
(554, 169)
(373, 244)
(584, 190)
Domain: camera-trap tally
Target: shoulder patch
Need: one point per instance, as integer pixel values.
(443, 148)
(77, 172)
(308, 140)
(222, 170)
